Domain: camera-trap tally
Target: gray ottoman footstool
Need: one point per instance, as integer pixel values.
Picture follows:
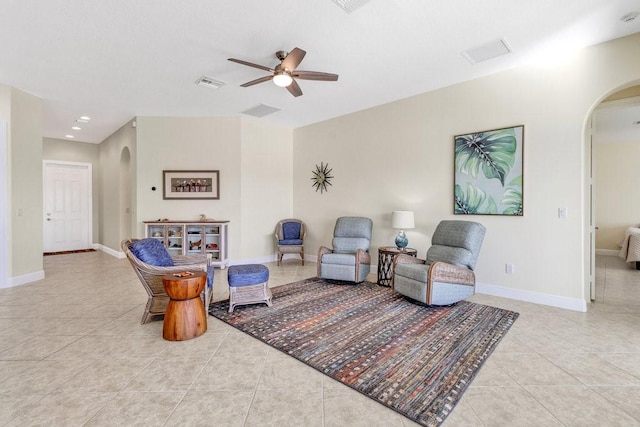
(248, 284)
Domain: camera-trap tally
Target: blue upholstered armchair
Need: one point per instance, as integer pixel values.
(349, 259)
(446, 276)
(289, 237)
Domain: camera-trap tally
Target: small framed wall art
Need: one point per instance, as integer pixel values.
(190, 185)
(488, 172)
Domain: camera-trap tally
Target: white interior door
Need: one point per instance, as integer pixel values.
(67, 206)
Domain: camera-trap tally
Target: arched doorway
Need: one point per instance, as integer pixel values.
(609, 129)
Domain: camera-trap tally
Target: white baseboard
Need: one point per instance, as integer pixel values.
(23, 280)
(273, 258)
(257, 260)
(574, 304)
(609, 252)
(108, 250)
(481, 288)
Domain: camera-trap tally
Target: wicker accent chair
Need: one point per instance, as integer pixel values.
(151, 276)
(446, 276)
(349, 260)
(289, 237)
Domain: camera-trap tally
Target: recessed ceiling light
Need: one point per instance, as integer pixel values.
(76, 127)
(81, 121)
(85, 118)
(69, 136)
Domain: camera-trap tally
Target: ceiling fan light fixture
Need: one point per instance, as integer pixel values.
(282, 79)
(283, 74)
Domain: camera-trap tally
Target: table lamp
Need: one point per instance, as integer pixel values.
(404, 221)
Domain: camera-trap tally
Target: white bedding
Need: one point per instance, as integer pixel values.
(630, 247)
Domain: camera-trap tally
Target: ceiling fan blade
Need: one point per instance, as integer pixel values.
(256, 81)
(294, 89)
(293, 59)
(314, 75)
(250, 64)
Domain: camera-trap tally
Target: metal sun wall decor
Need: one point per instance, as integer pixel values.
(488, 172)
(321, 177)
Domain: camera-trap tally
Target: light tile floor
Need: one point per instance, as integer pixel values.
(73, 352)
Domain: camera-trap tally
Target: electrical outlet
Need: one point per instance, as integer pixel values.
(508, 268)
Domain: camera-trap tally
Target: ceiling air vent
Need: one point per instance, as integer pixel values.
(209, 82)
(261, 110)
(350, 5)
(486, 51)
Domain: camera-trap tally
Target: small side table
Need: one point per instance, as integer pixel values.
(185, 317)
(385, 262)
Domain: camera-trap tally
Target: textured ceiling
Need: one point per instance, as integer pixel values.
(116, 59)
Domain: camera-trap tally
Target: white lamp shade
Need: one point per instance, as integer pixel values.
(402, 219)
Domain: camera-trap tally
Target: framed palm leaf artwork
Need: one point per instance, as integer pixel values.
(488, 172)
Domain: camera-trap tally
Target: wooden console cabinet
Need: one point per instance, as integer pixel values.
(192, 237)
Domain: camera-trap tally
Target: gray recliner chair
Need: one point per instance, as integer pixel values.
(446, 276)
(349, 260)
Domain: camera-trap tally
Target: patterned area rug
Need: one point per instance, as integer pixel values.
(414, 359)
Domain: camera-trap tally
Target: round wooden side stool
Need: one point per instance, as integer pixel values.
(185, 317)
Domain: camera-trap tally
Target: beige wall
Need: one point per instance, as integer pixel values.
(79, 152)
(400, 156)
(396, 156)
(25, 156)
(266, 188)
(617, 185)
(254, 160)
(629, 92)
(170, 143)
(5, 190)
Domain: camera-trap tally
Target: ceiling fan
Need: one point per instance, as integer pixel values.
(285, 73)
